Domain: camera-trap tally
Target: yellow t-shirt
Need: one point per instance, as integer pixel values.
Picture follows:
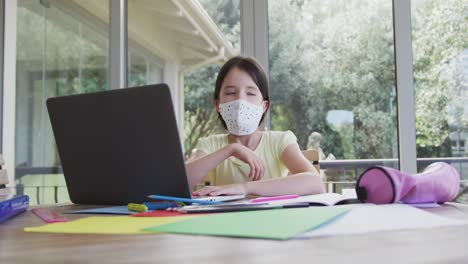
(269, 150)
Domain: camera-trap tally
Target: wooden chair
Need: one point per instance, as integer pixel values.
(312, 156)
(206, 181)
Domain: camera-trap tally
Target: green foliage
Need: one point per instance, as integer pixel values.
(199, 88)
(201, 119)
(53, 43)
(346, 132)
(324, 55)
(280, 121)
(336, 57)
(136, 79)
(339, 55)
(440, 35)
(226, 15)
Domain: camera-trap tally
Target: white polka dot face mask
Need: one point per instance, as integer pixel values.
(241, 117)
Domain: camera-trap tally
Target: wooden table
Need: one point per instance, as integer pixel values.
(441, 245)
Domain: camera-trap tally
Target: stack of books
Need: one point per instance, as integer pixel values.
(3, 177)
(10, 205)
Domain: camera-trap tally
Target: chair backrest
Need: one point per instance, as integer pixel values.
(313, 156)
(206, 181)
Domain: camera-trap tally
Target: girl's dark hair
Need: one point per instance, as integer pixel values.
(250, 66)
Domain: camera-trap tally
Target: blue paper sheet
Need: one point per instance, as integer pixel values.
(119, 210)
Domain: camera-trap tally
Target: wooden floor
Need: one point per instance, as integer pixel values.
(442, 245)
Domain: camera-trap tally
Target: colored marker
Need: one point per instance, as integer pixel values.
(180, 199)
(137, 207)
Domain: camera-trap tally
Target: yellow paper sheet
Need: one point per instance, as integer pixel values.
(106, 225)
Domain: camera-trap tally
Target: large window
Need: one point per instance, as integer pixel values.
(331, 70)
(440, 58)
(200, 119)
(62, 49)
(332, 78)
(145, 53)
(142, 69)
(182, 43)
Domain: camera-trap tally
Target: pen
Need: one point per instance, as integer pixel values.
(273, 198)
(180, 199)
(161, 205)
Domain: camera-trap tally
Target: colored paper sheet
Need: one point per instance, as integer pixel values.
(105, 225)
(425, 205)
(119, 210)
(387, 217)
(160, 213)
(270, 224)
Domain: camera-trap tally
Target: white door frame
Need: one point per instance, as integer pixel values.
(118, 48)
(9, 87)
(404, 86)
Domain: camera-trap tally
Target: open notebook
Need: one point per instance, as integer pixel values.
(324, 199)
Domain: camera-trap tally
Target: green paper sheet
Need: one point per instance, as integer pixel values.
(270, 224)
(105, 225)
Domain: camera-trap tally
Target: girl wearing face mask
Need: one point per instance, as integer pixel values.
(248, 160)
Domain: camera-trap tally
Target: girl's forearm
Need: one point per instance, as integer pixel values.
(199, 168)
(301, 184)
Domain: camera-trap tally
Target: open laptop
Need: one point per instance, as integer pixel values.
(119, 146)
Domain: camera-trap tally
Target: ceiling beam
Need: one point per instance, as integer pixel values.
(196, 25)
(179, 28)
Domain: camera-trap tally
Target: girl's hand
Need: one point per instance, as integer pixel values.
(231, 189)
(257, 169)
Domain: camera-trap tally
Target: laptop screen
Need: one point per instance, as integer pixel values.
(119, 146)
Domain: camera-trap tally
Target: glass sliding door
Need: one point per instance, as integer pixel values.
(332, 76)
(183, 44)
(62, 49)
(440, 59)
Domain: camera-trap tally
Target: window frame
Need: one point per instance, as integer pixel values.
(254, 42)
